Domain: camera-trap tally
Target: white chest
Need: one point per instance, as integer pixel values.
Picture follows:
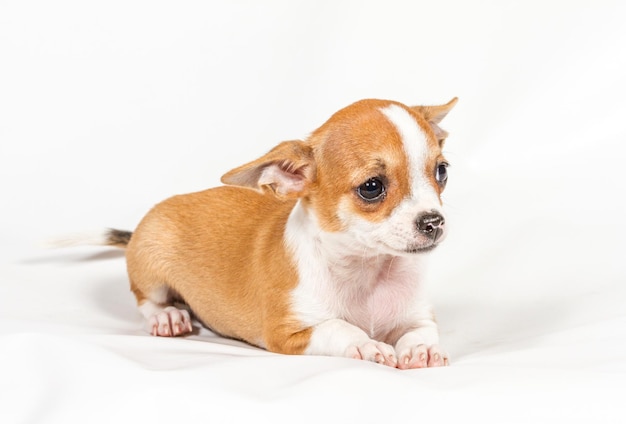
(377, 295)
(342, 279)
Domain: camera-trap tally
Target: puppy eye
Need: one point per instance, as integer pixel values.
(372, 190)
(441, 173)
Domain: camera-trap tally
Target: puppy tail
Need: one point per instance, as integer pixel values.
(108, 237)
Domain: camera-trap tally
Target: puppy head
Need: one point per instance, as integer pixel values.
(373, 174)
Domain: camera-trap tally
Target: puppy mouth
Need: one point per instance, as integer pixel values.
(421, 249)
(413, 249)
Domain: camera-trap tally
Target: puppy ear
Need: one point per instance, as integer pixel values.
(287, 170)
(434, 115)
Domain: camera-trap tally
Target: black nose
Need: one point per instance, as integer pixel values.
(431, 225)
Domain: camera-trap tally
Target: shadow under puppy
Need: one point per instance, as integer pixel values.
(318, 247)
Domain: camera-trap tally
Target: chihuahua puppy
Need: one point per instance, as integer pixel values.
(316, 248)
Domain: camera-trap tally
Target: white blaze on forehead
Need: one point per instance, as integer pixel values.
(414, 140)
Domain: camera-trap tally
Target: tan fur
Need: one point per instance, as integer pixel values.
(222, 251)
(234, 274)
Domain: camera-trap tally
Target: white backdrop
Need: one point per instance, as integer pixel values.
(106, 108)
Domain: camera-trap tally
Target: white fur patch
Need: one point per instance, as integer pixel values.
(417, 149)
(301, 236)
(413, 138)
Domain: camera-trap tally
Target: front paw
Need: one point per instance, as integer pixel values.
(422, 356)
(374, 351)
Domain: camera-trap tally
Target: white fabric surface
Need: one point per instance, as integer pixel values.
(107, 108)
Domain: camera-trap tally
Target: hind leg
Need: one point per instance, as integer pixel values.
(162, 317)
